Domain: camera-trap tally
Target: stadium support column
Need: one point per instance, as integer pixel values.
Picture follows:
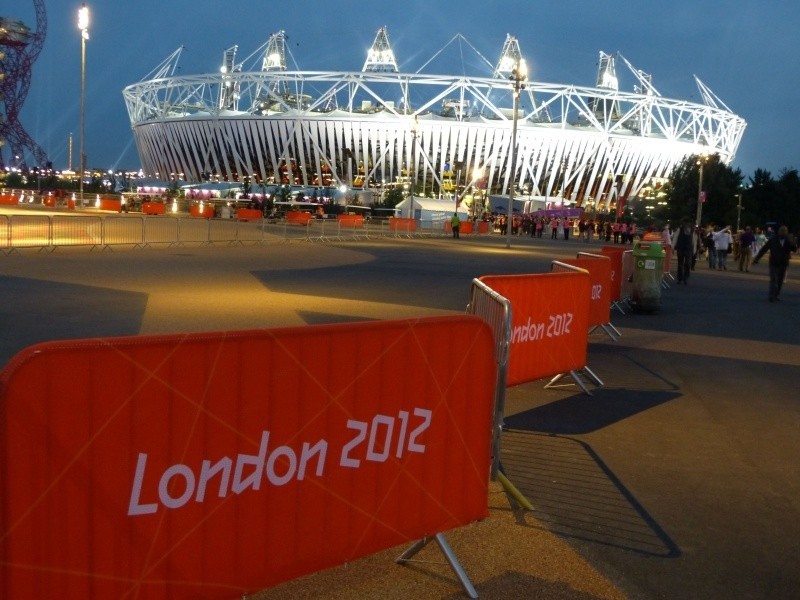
(518, 75)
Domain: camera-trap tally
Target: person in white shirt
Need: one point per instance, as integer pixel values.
(722, 241)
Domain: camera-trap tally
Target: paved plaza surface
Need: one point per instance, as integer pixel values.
(678, 479)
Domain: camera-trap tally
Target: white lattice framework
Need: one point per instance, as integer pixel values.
(571, 143)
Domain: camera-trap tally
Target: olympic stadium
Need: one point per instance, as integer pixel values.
(450, 136)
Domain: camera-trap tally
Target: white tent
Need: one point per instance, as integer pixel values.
(430, 209)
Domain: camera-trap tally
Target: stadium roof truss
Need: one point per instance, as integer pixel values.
(578, 143)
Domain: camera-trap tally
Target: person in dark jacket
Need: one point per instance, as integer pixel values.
(683, 245)
(780, 248)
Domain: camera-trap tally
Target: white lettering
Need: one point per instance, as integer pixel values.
(134, 508)
(320, 449)
(527, 333)
(272, 476)
(163, 486)
(345, 459)
(426, 415)
(383, 454)
(207, 472)
(254, 479)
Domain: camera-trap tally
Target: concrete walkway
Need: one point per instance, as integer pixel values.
(679, 479)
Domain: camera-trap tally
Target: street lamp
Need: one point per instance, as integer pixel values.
(519, 74)
(739, 211)
(83, 25)
(700, 194)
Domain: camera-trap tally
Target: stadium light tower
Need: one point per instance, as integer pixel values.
(83, 25)
(519, 74)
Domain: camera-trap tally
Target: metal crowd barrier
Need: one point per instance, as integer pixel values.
(48, 232)
(30, 231)
(123, 230)
(160, 230)
(78, 230)
(559, 267)
(5, 233)
(627, 276)
(495, 310)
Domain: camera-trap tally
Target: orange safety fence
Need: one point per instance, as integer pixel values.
(465, 227)
(215, 465)
(350, 220)
(9, 200)
(249, 214)
(154, 208)
(114, 204)
(615, 254)
(202, 212)
(599, 268)
(402, 224)
(550, 323)
(296, 217)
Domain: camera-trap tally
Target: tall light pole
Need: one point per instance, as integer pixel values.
(739, 211)
(700, 196)
(518, 75)
(83, 25)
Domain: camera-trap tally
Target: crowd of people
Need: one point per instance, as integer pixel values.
(561, 228)
(715, 244)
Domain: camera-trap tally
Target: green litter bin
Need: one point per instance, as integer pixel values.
(648, 272)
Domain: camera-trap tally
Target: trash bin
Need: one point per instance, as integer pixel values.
(648, 271)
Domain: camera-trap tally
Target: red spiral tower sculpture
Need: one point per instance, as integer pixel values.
(19, 48)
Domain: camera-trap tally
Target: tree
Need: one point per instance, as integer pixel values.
(721, 184)
(392, 197)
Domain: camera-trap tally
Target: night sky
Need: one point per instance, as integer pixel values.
(745, 51)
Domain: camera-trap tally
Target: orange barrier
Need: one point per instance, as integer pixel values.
(114, 204)
(9, 200)
(49, 201)
(667, 261)
(550, 323)
(350, 220)
(599, 268)
(296, 217)
(402, 224)
(483, 227)
(249, 214)
(615, 253)
(600, 304)
(204, 212)
(172, 467)
(154, 208)
(466, 227)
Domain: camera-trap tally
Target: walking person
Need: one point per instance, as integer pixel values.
(747, 240)
(722, 242)
(683, 245)
(711, 249)
(455, 224)
(780, 248)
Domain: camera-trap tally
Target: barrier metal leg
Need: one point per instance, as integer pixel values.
(592, 377)
(618, 304)
(616, 331)
(514, 492)
(553, 383)
(611, 331)
(451, 557)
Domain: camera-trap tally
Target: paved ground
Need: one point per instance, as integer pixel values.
(678, 479)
